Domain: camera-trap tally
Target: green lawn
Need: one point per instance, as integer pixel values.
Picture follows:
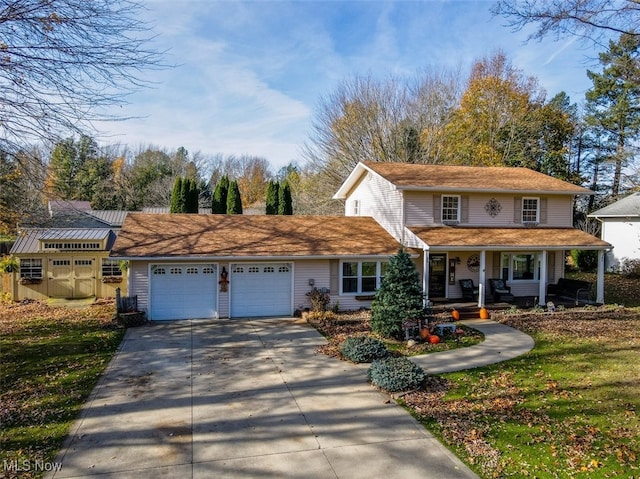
(568, 409)
(51, 359)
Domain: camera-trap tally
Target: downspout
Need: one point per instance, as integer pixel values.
(425, 276)
(600, 280)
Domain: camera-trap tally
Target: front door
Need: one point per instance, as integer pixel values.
(437, 275)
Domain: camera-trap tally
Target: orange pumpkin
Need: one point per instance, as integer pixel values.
(455, 314)
(424, 334)
(484, 314)
(433, 339)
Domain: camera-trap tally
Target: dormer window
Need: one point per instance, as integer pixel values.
(530, 210)
(450, 208)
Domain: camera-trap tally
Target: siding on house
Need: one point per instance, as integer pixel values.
(625, 236)
(555, 211)
(378, 199)
(139, 283)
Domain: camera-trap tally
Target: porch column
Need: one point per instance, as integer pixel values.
(482, 278)
(600, 280)
(425, 277)
(542, 287)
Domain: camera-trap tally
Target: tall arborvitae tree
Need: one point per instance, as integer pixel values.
(272, 198)
(219, 201)
(613, 104)
(398, 299)
(192, 196)
(177, 200)
(234, 201)
(285, 202)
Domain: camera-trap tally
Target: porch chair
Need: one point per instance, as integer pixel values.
(500, 291)
(469, 291)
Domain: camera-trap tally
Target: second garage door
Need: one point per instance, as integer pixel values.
(261, 289)
(183, 291)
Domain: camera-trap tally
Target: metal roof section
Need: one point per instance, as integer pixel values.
(627, 207)
(28, 240)
(109, 217)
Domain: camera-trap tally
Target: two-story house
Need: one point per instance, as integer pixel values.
(456, 222)
(474, 223)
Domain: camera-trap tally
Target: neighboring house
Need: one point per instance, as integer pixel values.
(202, 266)
(65, 263)
(621, 227)
(456, 222)
(474, 223)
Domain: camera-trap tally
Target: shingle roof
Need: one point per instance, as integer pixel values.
(507, 238)
(28, 239)
(626, 207)
(233, 236)
(463, 178)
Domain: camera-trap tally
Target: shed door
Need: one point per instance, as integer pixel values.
(261, 289)
(183, 291)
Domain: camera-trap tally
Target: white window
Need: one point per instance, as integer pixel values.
(355, 207)
(530, 210)
(31, 268)
(192, 270)
(520, 267)
(111, 267)
(159, 271)
(83, 262)
(362, 276)
(450, 208)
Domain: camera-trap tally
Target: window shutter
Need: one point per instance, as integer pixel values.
(543, 211)
(334, 276)
(464, 209)
(517, 209)
(437, 210)
(551, 266)
(497, 264)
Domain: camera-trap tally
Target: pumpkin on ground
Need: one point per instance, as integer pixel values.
(424, 334)
(433, 339)
(455, 314)
(484, 314)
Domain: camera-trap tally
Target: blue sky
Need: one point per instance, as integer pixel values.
(249, 75)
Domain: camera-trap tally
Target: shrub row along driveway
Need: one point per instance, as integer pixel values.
(231, 398)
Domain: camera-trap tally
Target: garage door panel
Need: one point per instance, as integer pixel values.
(183, 291)
(261, 289)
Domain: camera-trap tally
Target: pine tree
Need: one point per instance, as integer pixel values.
(285, 202)
(176, 197)
(192, 197)
(234, 201)
(219, 201)
(398, 299)
(272, 198)
(612, 103)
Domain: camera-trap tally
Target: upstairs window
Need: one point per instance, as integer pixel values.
(450, 209)
(355, 207)
(530, 210)
(31, 268)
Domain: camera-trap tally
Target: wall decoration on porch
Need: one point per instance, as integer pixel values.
(224, 282)
(493, 207)
(473, 263)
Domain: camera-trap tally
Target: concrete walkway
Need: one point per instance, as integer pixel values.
(501, 343)
(250, 398)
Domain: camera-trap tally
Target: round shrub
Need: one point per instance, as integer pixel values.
(363, 349)
(395, 374)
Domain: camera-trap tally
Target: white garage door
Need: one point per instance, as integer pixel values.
(183, 291)
(261, 289)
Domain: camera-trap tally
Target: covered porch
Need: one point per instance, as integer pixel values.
(523, 260)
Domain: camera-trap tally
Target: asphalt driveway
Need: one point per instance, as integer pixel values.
(240, 399)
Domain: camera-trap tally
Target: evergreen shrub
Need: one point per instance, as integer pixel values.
(363, 349)
(395, 374)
